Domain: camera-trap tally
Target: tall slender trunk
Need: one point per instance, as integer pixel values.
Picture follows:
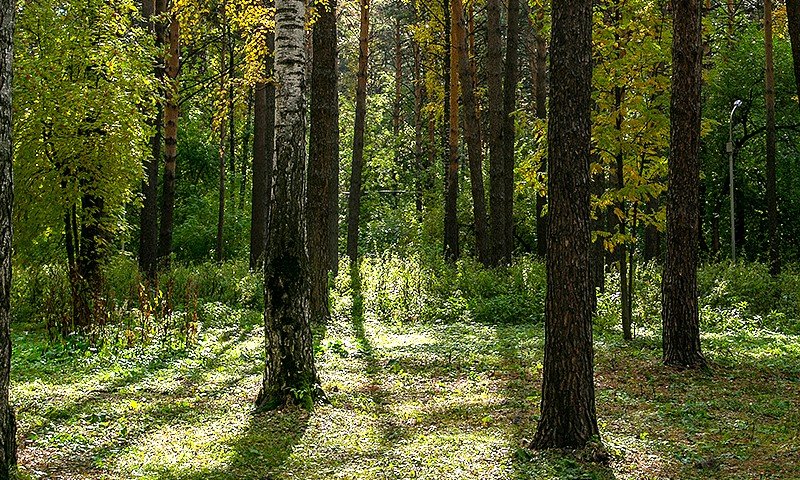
(504, 213)
(170, 141)
(8, 438)
(225, 79)
(627, 334)
(568, 417)
(772, 183)
(680, 314)
(472, 129)
(263, 152)
(419, 147)
(148, 220)
(323, 166)
(354, 202)
(793, 16)
(231, 114)
(450, 127)
(290, 376)
(398, 86)
(245, 144)
(494, 85)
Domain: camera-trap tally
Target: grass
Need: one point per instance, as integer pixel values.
(408, 399)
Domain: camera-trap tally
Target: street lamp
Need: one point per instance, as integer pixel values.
(736, 105)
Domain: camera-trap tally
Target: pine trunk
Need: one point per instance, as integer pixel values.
(170, 142)
(494, 92)
(541, 114)
(450, 136)
(290, 376)
(263, 152)
(354, 201)
(472, 128)
(8, 438)
(323, 168)
(680, 315)
(568, 417)
(793, 16)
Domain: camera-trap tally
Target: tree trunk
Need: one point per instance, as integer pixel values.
(398, 86)
(263, 152)
(680, 315)
(223, 136)
(148, 220)
(568, 417)
(290, 376)
(245, 144)
(451, 247)
(494, 92)
(323, 168)
(8, 438)
(419, 157)
(505, 209)
(772, 187)
(354, 202)
(170, 141)
(472, 128)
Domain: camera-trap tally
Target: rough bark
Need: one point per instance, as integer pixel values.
(148, 219)
(354, 200)
(263, 151)
(323, 168)
(290, 376)
(450, 136)
(170, 141)
(680, 315)
(8, 440)
(494, 93)
(568, 417)
(472, 129)
(772, 183)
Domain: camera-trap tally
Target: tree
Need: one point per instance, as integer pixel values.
(354, 201)
(680, 315)
(8, 440)
(172, 62)
(263, 151)
(495, 100)
(793, 17)
(472, 132)
(568, 417)
(290, 376)
(323, 169)
(450, 135)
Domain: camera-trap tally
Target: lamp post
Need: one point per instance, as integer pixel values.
(736, 105)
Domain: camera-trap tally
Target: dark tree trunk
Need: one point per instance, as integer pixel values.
(354, 201)
(290, 376)
(568, 417)
(398, 88)
(263, 152)
(224, 78)
(148, 220)
(323, 168)
(504, 212)
(450, 124)
(419, 157)
(8, 438)
(170, 141)
(772, 183)
(680, 315)
(472, 128)
(494, 92)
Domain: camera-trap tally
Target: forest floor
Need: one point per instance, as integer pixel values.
(440, 401)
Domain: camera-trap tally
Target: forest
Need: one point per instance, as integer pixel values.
(396, 239)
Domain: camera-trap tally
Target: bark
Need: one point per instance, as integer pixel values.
(398, 85)
(224, 78)
(494, 93)
(170, 141)
(419, 157)
(625, 294)
(354, 201)
(472, 128)
(290, 376)
(568, 417)
(680, 315)
(450, 127)
(8, 439)
(263, 152)
(793, 16)
(323, 168)
(772, 194)
(148, 220)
